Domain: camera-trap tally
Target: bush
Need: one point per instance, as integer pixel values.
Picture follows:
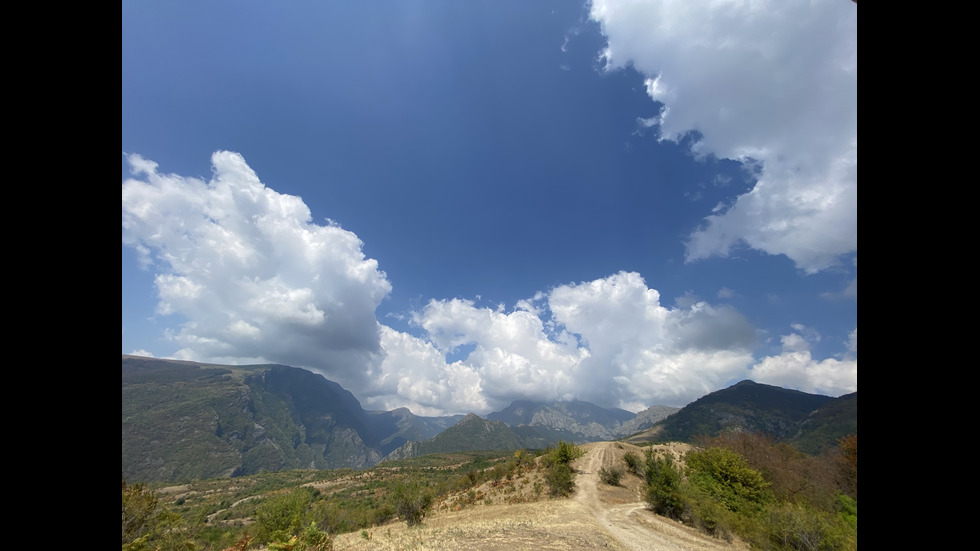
(139, 506)
(559, 480)
(663, 486)
(310, 539)
(610, 476)
(802, 528)
(565, 452)
(411, 502)
(633, 463)
(281, 516)
(726, 476)
(558, 473)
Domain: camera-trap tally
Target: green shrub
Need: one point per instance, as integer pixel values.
(139, 506)
(309, 539)
(726, 476)
(610, 476)
(847, 508)
(633, 463)
(559, 480)
(663, 485)
(565, 452)
(282, 515)
(411, 501)
(802, 528)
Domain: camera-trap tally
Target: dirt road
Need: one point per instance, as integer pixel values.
(621, 511)
(597, 516)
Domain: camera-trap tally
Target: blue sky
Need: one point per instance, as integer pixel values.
(452, 205)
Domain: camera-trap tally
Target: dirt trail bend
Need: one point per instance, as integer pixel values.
(621, 511)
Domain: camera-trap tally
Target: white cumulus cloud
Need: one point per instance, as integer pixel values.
(772, 83)
(248, 278)
(251, 275)
(796, 368)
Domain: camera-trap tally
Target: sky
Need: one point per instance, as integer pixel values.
(449, 206)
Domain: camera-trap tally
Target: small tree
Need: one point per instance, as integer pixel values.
(411, 501)
(559, 479)
(610, 476)
(559, 472)
(726, 476)
(139, 507)
(566, 452)
(281, 516)
(633, 463)
(663, 485)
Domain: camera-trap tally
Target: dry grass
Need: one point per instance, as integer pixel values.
(544, 525)
(512, 515)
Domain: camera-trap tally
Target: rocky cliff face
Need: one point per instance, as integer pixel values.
(188, 420)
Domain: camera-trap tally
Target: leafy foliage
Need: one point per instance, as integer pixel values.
(411, 501)
(559, 480)
(633, 463)
(726, 476)
(611, 476)
(663, 485)
(558, 474)
(768, 493)
(282, 515)
(147, 526)
(138, 507)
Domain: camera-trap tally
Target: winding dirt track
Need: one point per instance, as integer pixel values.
(597, 516)
(629, 522)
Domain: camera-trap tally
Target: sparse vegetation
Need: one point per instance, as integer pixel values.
(411, 501)
(610, 476)
(633, 463)
(735, 485)
(558, 473)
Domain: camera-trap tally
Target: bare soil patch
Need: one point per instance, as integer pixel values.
(512, 515)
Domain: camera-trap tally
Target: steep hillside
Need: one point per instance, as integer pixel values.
(824, 426)
(575, 420)
(401, 426)
(472, 433)
(787, 415)
(187, 420)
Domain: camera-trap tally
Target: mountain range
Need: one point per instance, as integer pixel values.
(188, 420)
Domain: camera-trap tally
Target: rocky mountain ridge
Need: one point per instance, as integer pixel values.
(188, 420)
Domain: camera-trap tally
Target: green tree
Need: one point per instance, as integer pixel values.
(726, 476)
(633, 463)
(282, 515)
(663, 485)
(558, 474)
(411, 501)
(611, 475)
(559, 480)
(565, 452)
(139, 507)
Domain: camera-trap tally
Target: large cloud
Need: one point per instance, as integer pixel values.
(253, 277)
(772, 83)
(607, 341)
